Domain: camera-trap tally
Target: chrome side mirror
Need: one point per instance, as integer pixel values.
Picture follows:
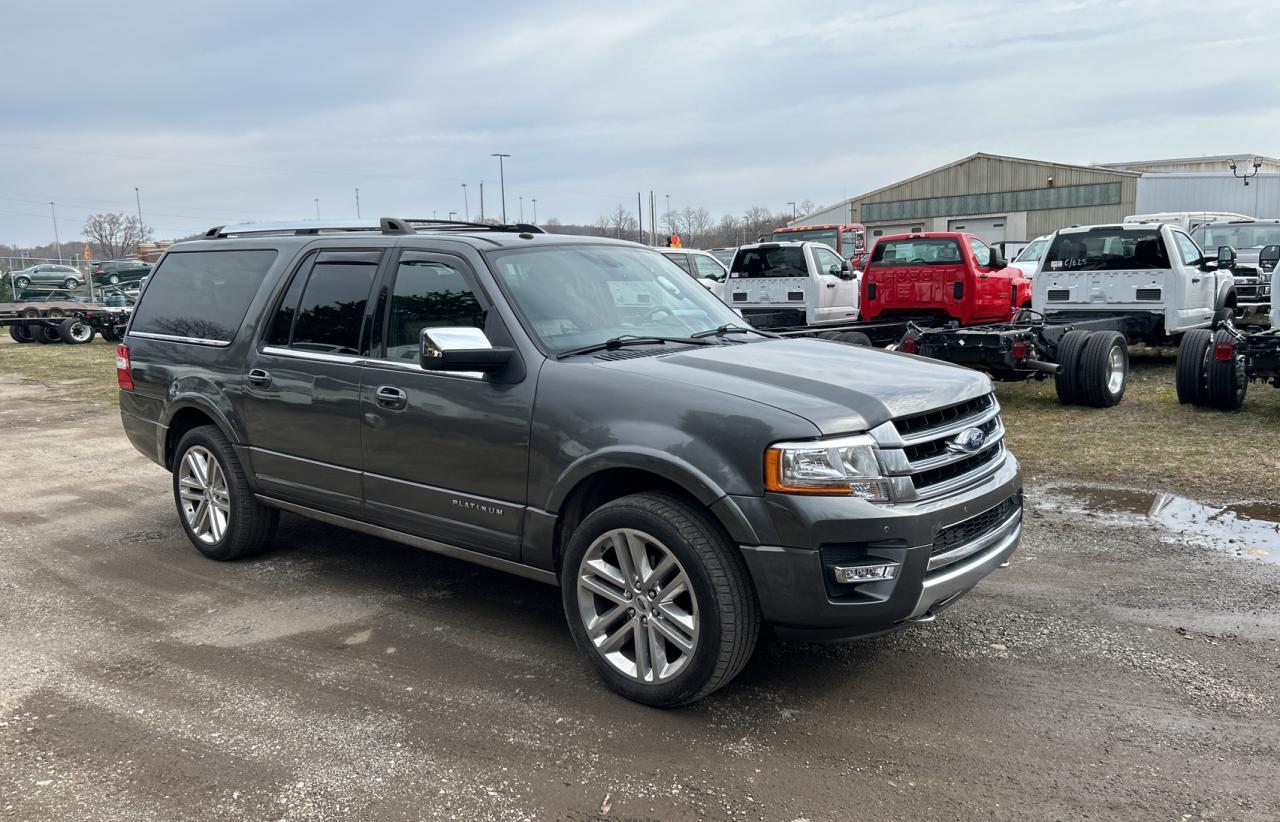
(461, 348)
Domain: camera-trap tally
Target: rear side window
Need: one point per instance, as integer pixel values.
(916, 251)
(201, 295)
(326, 314)
(778, 261)
(1110, 249)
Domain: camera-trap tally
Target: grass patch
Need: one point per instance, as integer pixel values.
(84, 373)
(1148, 440)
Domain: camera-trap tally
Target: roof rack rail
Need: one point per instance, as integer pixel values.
(384, 225)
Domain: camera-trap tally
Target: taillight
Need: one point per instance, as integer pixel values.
(1019, 349)
(1224, 350)
(908, 345)
(124, 368)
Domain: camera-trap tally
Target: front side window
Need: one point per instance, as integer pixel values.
(707, 268)
(428, 293)
(579, 295)
(916, 251)
(326, 314)
(770, 261)
(981, 253)
(1106, 249)
(1187, 248)
(1032, 252)
(680, 260)
(826, 259)
(201, 294)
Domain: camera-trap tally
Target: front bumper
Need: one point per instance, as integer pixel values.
(795, 580)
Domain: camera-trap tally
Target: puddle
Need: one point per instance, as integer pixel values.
(1246, 529)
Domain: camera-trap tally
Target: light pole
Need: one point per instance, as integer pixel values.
(317, 200)
(452, 214)
(502, 182)
(357, 203)
(137, 198)
(465, 204)
(535, 210)
(521, 198)
(668, 212)
(56, 241)
(793, 211)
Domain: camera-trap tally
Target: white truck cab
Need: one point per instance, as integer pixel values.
(787, 284)
(1152, 274)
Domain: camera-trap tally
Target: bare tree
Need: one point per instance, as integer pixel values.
(620, 222)
(115, 235)
(694, 223)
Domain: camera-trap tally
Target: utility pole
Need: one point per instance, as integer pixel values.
(56, 241)
(357, 203)
(137, 198)
(466, 205)
(668, 212)
(653, 219)
(502, 183)
(482, 201)
(535, 210)
(640, 214)
(522, 208)
(317, 199)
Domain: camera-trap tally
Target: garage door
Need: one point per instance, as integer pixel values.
(877, 231)
(990, 229)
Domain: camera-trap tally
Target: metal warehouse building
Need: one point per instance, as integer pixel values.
(995, 197)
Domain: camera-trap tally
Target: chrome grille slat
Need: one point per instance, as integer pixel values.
(934, 474)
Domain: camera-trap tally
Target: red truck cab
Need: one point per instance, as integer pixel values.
(941, 274)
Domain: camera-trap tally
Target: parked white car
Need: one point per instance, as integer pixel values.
(1153, 276)
(704, 267)
(1028, 258)
(793, 284)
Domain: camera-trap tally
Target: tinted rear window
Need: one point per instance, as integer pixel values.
(780, 261)
(918, 251)
(201, 294)
(1106, 250)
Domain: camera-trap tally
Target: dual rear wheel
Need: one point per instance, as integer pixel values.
(1095, 368)
(1205, 380)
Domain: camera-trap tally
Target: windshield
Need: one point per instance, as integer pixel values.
(1113, 249)
(770, 261)
(575, 296)
(917, 251)
(1032, 252)
(1237, 236)
(817, 235)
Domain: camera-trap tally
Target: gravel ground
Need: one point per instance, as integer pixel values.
(1111, 673)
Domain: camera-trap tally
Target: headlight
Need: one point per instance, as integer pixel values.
(1264, 290)
(848, 466)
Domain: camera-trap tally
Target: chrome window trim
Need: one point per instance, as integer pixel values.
(148, 335)
(316, 356)
(414, 368)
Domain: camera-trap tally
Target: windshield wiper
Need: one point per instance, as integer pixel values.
(628, 339)
(730, 328)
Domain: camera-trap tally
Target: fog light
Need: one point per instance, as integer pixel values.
(854, 574)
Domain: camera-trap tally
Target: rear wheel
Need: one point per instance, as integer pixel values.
(1067, 382)
(1104, 369)
(658, 599)
(111, 335)
(1227, 383)
(21, 333)
(70, 283)
(75, 332)
(852, 338)
(45, 334)
(216, 506)
(22, 282)
(1193, 358)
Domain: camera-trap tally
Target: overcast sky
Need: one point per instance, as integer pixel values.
(250, 110)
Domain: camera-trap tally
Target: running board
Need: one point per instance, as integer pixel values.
(453, 551)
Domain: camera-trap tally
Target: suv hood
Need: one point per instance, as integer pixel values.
(839, 388)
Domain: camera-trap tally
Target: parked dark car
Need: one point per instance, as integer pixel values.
(115, 272)
(576, 411)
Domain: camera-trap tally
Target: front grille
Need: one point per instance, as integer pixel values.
(974, 528)
(916, 423)
(1059, 294)
(936, 448)
(1152, 294)
(951, 470)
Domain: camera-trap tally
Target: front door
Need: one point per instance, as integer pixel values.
(1200, 286)
(446, 454)
(301, 397)
(837, 296)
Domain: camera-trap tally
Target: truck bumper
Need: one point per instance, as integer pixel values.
(974, 532)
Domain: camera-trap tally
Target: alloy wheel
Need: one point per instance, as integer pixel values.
(637, 605)
(205, 499)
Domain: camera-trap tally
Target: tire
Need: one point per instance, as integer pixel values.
(247, 525)
(1226, 384)
(45, 334)
(55, 313)
(70, 283)
(1193, 352)
(21, 334)
(22, 282)
(1067, 383)
(113, 279)
(75, 332)
(1104, 369)
(30, 313)
(721, 599)
(853, 338)
(110, 335)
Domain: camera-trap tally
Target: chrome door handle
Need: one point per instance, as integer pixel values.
(390, 397)
(259, 377)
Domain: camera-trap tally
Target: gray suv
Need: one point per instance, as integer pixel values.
(574, 410)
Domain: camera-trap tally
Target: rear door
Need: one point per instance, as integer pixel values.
(837, 296)
(446, 454)
(301, 397)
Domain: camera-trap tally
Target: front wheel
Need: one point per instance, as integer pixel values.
(659, 599)
(216, 506)
(22, 282)
(70, 283)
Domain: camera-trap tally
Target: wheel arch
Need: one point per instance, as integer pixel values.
(191, 412)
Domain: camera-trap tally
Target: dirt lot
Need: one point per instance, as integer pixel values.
(1114, 671)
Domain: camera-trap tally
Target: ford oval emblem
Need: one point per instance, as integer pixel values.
(969, 441)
